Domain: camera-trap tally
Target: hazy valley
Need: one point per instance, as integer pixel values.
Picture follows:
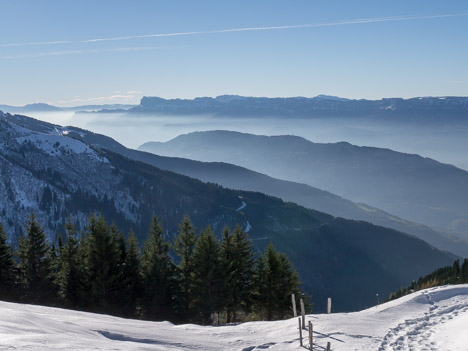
(236, 175)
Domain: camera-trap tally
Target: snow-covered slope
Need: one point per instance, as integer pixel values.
(432, 319)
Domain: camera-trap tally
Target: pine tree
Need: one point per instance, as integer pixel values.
(121, 283)
(158, 275)
(261, 291)
(184, 247)
(70, 276)
(456, 272)
(132, 280)
(34, 263)
(464, 271)
(208, 276)
(241, 276)
(275, 281)
(228, 267)
(289, 284)
(53, 260)
(102, 257)
(6, 266)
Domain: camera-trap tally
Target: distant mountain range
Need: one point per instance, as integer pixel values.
(447, 107)
(41, 107)
(38, 107)
(55, 172)
(409, 186)
(321, 106)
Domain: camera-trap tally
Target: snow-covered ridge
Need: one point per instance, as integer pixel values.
(35, 157)
(432, 319)
(55, 144)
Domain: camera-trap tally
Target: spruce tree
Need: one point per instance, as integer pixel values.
(53, 259)
(184, 247)
(102, 257)
(275, 281)
(289, 284)
(121, 284)
(229, 268)
(70, 276)
(464, 271)
(158, 275)
(241, 276)
(6, 266)
(132, 280)
(34, 263)
(208, 276)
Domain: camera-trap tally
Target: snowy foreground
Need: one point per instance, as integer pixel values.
(433, 319)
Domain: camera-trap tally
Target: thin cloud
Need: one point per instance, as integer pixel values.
(78, 52)
(100, 99)
(134, 92)
(48, 53)
(247, 29)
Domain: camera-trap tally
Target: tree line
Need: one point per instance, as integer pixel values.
(454, 274)
(197, 278)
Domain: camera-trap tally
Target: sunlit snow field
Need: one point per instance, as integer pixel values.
(432, 319)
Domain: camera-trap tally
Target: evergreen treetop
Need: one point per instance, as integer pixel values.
(6, 264)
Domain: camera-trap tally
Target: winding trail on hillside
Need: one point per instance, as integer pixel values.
(244, 205)
(248, 227)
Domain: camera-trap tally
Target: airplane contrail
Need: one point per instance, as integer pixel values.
(246, 29)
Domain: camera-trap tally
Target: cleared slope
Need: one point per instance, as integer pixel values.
(433, 319)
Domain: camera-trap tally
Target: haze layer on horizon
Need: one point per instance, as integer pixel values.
(443, 144)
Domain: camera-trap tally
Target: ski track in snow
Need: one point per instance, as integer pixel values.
(419, 333)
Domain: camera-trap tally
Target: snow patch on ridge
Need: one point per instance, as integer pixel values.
(56, 144)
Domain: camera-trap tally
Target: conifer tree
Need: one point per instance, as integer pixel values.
(34, 262)
(132, 280)
(464, 271)
(6, 266)
(241, 276)
(184, 247)
(102, 265)
(208, 276)
(275, 281)
(456, 270)
(158, 275)
(228, 267)
(53, 260)
(70, 276)
(289, 284)
(121, 290)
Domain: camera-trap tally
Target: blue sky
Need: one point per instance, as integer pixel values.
(322, 47)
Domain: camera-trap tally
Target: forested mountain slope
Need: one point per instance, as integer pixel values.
(47, 172)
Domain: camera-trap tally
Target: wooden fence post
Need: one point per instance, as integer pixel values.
(293, 298)
(329, 305)
(311, 340)
(328, 346)
(303, 313)
(300, 331)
